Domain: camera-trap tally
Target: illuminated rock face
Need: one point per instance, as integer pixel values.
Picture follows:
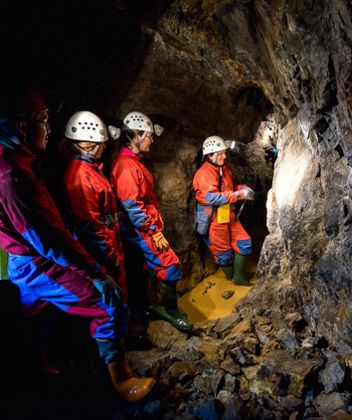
(305, 260)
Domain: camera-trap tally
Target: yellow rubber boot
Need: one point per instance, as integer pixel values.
(130, 389)
(125, 370)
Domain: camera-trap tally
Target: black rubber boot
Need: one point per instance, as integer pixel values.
(228, 271)
(239, 271)
(169, 311)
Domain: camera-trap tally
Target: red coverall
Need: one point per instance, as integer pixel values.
(94, 211)
(134, 188)
(45, 261)
(222, 238)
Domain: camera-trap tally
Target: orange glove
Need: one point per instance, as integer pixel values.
(160, 242)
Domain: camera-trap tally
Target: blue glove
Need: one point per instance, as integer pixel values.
(109, 290)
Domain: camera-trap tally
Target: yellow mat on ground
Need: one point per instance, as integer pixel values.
(212, 298)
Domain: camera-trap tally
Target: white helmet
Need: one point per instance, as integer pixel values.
(138, 121)
(213, 144)
(86, 126)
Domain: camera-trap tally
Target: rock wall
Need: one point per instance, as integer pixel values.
(305, 259)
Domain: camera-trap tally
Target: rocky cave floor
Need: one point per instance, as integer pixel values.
(237, 367)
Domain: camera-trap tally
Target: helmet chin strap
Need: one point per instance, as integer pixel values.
(213, 162)
(138, 144)
(91, 153)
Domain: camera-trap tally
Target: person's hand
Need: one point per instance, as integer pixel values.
(109, 290)
(160, 241)
(243, 194)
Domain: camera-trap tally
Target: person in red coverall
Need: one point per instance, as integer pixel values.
(216, 220)
(141, 223)
(91, 200)
(45, 261)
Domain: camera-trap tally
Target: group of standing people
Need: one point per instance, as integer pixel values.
(81, 271)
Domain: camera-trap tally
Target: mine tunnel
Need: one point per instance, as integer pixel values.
(275, 78)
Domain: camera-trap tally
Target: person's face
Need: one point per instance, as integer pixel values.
(218, 157)
(38, 132)
(146, 143)
(89, 147)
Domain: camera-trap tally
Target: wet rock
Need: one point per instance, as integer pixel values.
(244, 384)
(250, 343)
(334, 372)
(247, 342)
(179, 371)
(290, 402)
(280, 374)
(239, 357)
(311, 414)
(263, 333)
(162, 334)
(259, 320)
(315, 341)
(288, 339)
(227, 294)
(340, 415)
(231, 383)
(347, 358)
(242, 327)
(224, 324)
(271, 346)
(229, 365)
(208, 382)
(151, 362)
(186, 350)
(250, 372)
(211, 349)
(269, 403)
(224, 397)
(327, 404)
(151, 407)
(228, 405)
(201, 408)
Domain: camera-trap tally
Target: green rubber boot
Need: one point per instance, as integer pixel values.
(239, 271)
(3, 265)
(169, 311)
(228, 271)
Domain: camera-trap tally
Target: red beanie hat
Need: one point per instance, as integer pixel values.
(33, 103)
